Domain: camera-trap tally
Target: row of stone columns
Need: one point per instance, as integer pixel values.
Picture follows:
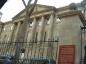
(39, 50)
(42, 28)
(34, 29)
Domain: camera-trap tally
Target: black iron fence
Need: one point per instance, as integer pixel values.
(23, 52)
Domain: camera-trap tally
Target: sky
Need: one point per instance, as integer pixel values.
(13, 7)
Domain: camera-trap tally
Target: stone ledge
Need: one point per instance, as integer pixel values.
(72, 13)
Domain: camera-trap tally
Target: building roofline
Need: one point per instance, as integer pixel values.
(8, 22)
(49, 7)
(62, 8)
(71, 13)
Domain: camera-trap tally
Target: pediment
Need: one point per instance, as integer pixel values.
(38, 8)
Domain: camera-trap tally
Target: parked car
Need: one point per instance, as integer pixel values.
(5, 60)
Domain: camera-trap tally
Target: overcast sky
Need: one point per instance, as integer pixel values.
(13, 7)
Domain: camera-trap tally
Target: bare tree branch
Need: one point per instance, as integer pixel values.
(33, 6)
(24, 3)
(29, 9)
(29, 2)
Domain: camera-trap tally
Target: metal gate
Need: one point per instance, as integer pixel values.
(29, 50)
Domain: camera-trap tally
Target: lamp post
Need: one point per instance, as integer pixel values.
(83, 28)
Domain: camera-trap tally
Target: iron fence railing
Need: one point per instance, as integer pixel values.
(22, 52)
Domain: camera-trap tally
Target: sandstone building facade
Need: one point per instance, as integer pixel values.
(43, 35)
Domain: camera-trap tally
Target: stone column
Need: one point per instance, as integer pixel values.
(41, 36)
(16, 32)
(1, 31)
(11, 35)
(16, 39)
(33, 31)
(41, 29)
(51, 26)
(20, 36)
(50, 36)
(32, 36)
(1, 28)
(11, 47)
